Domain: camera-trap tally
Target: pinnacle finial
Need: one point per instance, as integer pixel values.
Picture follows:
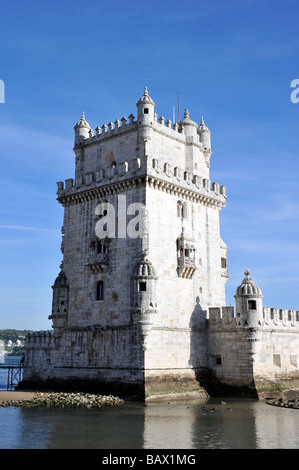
(145, 91)
(186, 114)
(247, 273)
(83, 115)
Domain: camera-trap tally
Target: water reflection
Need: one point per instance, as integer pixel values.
(200, 426)
(185, 425)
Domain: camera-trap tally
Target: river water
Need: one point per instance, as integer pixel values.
(235, 424)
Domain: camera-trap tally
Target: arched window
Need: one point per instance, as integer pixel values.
(182, 210)
(100, 291)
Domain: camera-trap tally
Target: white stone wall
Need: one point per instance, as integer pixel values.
(240, 354)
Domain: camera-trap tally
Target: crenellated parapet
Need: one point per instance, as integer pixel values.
(274, 318)
(222, 317)
(106, 131)
(39, 339)
(188, 181)
(277, 318)
(119, 127)
(160, 175)
(115, 173)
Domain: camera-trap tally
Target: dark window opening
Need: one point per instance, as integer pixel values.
(218, 360)
(223, 262)
(251, 304)
(182, 210)
(142, 286)
(100, 291)
(101, 247)
(145, 111)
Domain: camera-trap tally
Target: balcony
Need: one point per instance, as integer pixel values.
(98, 262)
(186, 266)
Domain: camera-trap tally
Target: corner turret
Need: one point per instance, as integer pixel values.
(204, 136)
(190, 127)
(82, 129)
(249, 304)
(144, 305)
(146, 109)
(60, 302)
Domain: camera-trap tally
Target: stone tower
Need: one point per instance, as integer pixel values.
(143, 259)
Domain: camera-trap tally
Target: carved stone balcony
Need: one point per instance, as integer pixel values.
(98, 262)
(186, 266)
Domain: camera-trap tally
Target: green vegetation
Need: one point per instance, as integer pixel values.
(14, 341)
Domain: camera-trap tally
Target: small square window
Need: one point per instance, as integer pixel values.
(251, 304)
(142, 286)
(277, 360)
(218, 359)
(223, 262)
(145, 110)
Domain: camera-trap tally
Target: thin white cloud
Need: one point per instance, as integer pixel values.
(33, 138)
(23, 227)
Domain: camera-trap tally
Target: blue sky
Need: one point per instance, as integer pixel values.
(231, 61)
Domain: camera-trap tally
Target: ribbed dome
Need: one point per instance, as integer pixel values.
(145, 98)
(202, 126)
(82, 122)
(187, 121)
(144, 269)
(248, 287)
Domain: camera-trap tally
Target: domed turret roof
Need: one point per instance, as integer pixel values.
(202, 126)
(144, 268)
(145, 98)
(82, 122)
(187, 121)
(248, 287)
(61, 280)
